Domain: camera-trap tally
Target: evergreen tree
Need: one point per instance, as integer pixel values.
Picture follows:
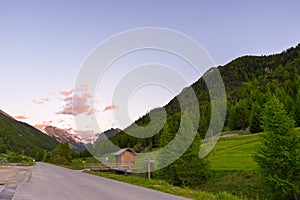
(277, 156)
(232, 120)
(243, 114)
(188, 170)
(255, 118)
(165, 136)
(297, 109)
(191, 170)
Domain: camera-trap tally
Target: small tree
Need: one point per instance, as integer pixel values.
(62, 154)
(277, 157)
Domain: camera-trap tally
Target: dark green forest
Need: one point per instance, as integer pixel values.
(22, 138)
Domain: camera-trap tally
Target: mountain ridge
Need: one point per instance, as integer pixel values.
(22, 138)
(247, 80)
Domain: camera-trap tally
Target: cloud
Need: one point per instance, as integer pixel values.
(20, 117)
(66, 92)
(40, 101)
(85, 86)
(92, 111)
(40, 126)
(43, 125)
(78, 103)
(109, 107)
(87, 95)
(45, 99)
(75, 105)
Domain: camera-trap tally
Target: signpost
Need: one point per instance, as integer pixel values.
(148, 161)
(83, 163)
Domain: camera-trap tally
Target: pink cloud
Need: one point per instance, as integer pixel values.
(110, 107)
(75, 105)
(87, 95)
(92, 111)
(42, 125)
(66, 92)
(40, 101)
(85, 86)
(45, 99)
(78, 102)
(20, 117)
(39, 126)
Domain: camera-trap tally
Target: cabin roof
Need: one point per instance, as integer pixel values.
(123, 150)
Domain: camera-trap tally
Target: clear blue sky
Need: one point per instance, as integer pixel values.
(43, 43)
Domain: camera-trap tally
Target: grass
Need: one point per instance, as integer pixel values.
(162, 186)
(13, 158)
(235, 153)
(78, 165)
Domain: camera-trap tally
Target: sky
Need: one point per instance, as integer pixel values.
(43, 45)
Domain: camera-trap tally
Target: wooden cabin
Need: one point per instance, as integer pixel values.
(125, 158)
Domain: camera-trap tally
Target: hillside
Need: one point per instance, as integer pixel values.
(248, 80)
(22, 138)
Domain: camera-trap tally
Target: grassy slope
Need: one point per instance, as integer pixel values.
(234, 169)
(235, 153)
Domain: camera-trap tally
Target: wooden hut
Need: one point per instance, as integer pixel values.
(125, 158)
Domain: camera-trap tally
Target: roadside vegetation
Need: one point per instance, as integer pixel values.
(163, 186)
(13, 158)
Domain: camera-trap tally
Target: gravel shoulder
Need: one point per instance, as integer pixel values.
(13, 174)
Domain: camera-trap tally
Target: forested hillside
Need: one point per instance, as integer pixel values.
(22, 138)
(247, 80)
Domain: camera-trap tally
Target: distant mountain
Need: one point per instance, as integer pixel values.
(77, 139)
(111, 132)
(104, 135)
(22, 138)
(61, 135)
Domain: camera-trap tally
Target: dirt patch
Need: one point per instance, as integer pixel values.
(13, 174)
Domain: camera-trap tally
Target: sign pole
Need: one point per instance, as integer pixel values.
(148, 166)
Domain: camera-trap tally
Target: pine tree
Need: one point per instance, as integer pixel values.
(277, 157)
(191, 170)
(242, 114)
(188, 170)
(255, 118)
(232, 120)
(165, 136)
(297, 108)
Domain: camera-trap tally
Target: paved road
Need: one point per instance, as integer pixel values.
(49, 182)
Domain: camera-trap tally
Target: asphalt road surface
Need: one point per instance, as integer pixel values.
(49, 182)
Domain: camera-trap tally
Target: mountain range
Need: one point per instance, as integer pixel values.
(73, 137)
